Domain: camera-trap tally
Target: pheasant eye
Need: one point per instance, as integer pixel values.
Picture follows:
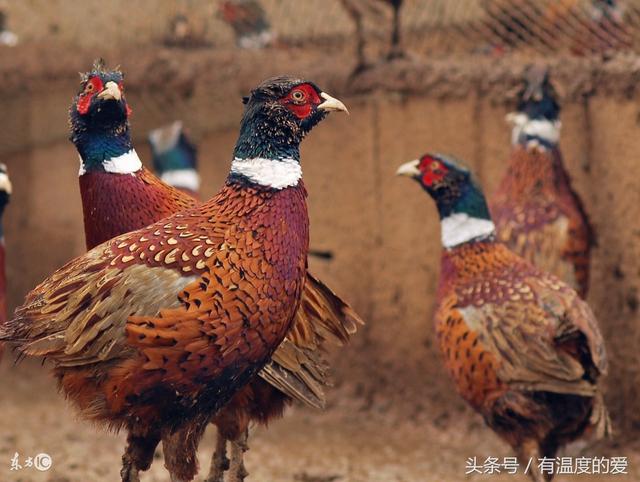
(435, 166)
(298, 95)
(94, 84)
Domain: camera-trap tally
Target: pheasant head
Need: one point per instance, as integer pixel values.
(99, 118)
(278, 114)
(462, 207)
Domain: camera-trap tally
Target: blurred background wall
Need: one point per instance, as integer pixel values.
(450, 93)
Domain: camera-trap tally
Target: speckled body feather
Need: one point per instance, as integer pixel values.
(539, 216)
(217, 317)
(523, 349)
(115, 204)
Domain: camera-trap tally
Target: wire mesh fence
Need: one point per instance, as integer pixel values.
(366, 32)
(433, 27)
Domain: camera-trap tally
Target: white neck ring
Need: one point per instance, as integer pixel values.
(273, 173)
(523, 126)
(127, 163)
(460, 228)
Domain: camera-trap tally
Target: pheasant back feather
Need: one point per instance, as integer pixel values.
(539, 216)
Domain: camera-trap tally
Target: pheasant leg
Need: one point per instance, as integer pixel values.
(219, 461)
(180, 448)
(138, 455)
(237, 470)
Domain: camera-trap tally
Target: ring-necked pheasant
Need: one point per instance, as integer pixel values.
(536, 211)
(157, 329)
(522, 347)
(5, 194)
(118, 202)
(175, 158)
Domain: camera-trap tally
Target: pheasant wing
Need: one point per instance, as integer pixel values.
(78, 315)
(298, 367)
(544, 337)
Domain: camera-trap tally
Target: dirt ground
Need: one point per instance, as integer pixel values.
(349, 442)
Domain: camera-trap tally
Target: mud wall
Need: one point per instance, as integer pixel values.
(382, 230)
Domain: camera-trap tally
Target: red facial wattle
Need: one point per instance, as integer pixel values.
(429, 178)
(302, 107)
(83, 104)
(432, 171)
(93, 86)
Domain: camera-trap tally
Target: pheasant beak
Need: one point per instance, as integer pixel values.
(5, 183)
(331, 103)
(409, 169)
(111, 92)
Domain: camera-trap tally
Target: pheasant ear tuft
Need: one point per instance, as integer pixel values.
(99, 65)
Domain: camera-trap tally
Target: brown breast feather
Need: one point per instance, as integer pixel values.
(501, 322)
(298, 367)
(227, 283)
